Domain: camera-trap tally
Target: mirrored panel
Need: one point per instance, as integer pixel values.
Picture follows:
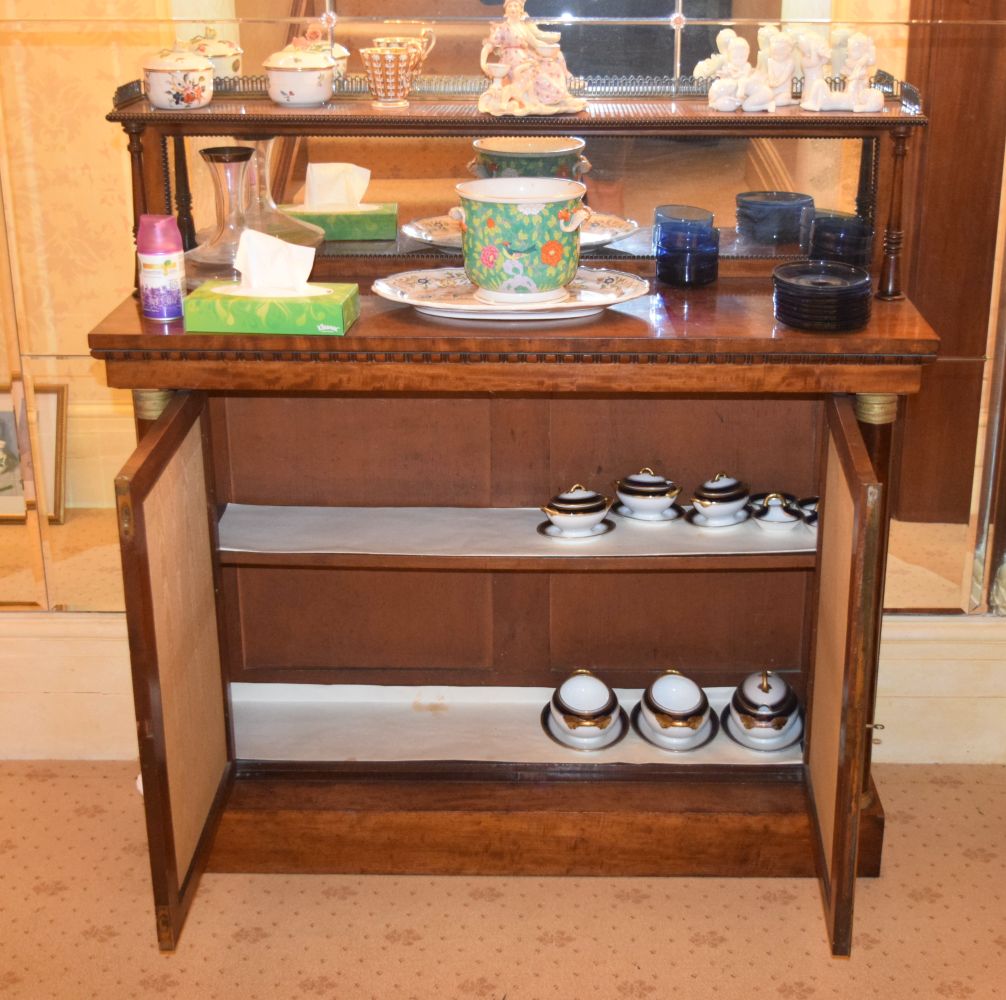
(84, 433)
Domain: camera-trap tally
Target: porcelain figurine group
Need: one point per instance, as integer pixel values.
(527, 68)
(783, 56)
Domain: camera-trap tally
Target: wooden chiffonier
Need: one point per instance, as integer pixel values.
(243, 508)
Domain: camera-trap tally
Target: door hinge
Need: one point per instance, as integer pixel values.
(125, 520)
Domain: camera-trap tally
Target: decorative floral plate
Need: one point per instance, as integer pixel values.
(597, 231)
(447, 292)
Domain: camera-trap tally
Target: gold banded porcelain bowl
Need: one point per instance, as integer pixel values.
(583, 707)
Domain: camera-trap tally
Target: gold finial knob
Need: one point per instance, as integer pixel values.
(764, 685)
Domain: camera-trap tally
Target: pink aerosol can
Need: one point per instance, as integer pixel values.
(161, 267)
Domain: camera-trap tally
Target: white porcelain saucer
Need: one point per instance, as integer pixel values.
(618, 728)
(447, 292)
(444, 232)
(782, 742)
(703, 735)
(673, 513)
(554, 531)
(701, 521)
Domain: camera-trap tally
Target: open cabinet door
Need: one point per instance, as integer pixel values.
(182, 720)
(844, 661)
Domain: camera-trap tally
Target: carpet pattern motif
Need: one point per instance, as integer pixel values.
(76, 918)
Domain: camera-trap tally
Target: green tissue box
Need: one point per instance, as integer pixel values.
(379, 224)
(210, 311)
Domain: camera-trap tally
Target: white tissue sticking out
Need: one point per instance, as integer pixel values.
(272, 269)
(336, 187)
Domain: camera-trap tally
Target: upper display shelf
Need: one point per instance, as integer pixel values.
(619, 105)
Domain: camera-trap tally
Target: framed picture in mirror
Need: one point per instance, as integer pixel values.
(50, 401)
(12, 505)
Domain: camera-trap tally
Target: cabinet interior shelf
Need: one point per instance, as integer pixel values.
(477, 724)
(492, 538)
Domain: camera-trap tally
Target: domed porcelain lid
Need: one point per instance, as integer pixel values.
(335, 50)
(647, 483)
(721, 488)
(764, 690)
(673, 692)
(583, 693)
(300, 57)
(775, 509)
(578, 499)
(207, 44)
(177, 60)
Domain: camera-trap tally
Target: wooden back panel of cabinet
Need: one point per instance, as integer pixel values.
(477, 626)
(486, 451)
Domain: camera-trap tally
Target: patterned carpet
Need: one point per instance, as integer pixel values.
(76, 919)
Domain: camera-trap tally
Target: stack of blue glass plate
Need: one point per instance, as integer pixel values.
(841, 236)
(774, 217)
(822, 296)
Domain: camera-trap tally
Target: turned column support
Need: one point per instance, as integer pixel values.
(889, 287)
(135, 132)
(183, 194)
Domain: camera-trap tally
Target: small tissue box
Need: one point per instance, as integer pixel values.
(220, 307)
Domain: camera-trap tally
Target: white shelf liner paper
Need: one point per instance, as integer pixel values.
(481, 531)
(317, 722)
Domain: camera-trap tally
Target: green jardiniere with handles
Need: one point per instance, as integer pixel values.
(520, 236)
(529, 156)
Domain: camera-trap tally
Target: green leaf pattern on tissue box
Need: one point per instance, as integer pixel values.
(208, 310)
(379, 224)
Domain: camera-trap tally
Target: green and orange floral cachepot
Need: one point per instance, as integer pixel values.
(529, 156)
(519, 236)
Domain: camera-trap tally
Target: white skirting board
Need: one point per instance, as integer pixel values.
(65, 690)
(343, 722)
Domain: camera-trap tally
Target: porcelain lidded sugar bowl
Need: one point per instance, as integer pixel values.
(775, 514)
(648, 496)
(223, 53)
(720, 501)
(577, 512)
(764, 713)
(674, 713)
(300, 76)
(176, 80)
(584, 713)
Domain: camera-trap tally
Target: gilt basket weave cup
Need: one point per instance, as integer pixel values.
(390, 72)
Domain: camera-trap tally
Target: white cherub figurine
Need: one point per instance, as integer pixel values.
(858, 96)
(839, 41)
(765, 35)
(711, 64)
(729, 89)
(814, 55)
(774, 86)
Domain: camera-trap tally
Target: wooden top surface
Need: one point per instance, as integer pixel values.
(237, 115)
(693, 338)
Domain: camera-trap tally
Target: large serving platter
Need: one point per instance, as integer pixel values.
(444, 232)
(447, 292)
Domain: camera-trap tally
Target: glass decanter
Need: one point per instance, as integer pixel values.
(214, 259)
(261, 212)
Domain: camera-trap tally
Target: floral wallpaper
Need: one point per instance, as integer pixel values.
(66, 170)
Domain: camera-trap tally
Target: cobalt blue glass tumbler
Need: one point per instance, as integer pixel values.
(686, 245)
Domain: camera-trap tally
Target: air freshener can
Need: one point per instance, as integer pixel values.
(161, 267)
